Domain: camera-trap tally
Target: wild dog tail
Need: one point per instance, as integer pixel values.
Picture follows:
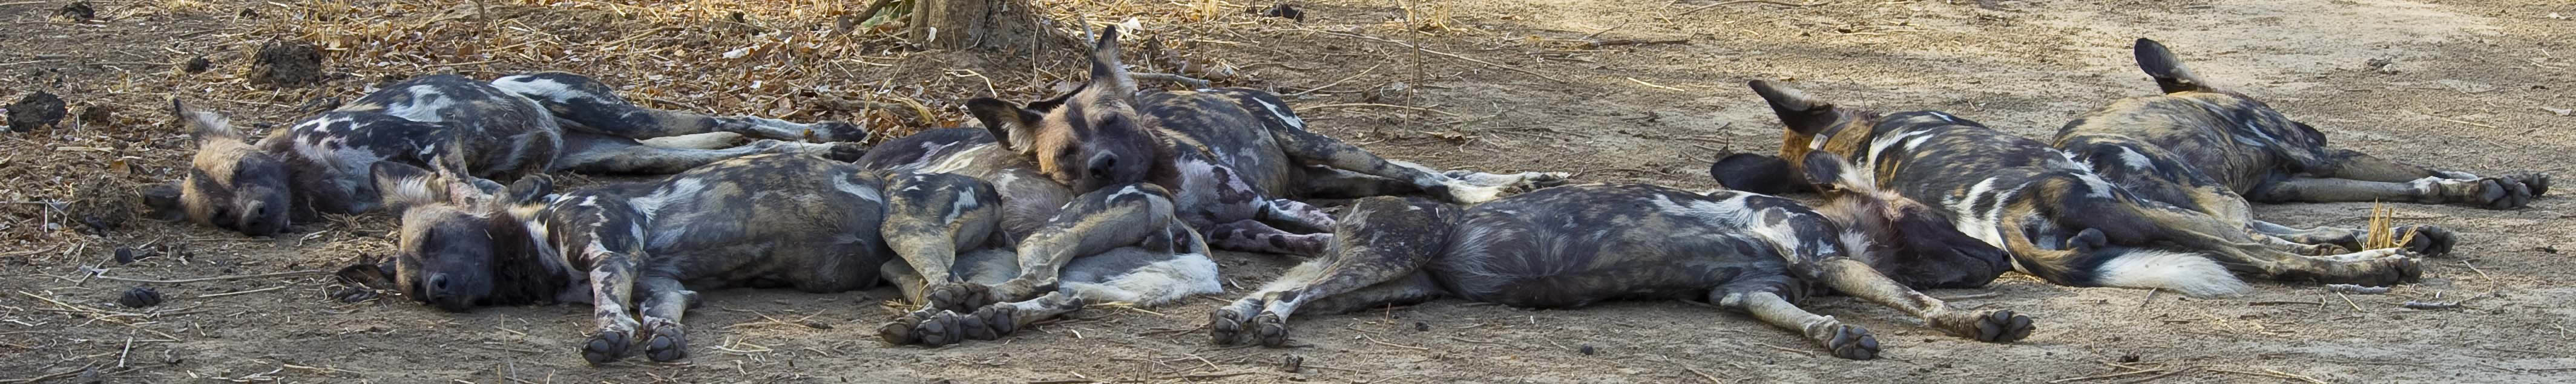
(2191, 274)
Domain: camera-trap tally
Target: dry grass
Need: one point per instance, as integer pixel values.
(2381, 233)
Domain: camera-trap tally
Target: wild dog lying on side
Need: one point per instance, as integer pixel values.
(2059, 220)
(509, 128)
(791, 221)
(2207, 149)
(1574, 245)
(1231, 156)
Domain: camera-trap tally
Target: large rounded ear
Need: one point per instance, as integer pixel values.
(162, 202)
(1013, 126)
(402, 185)
(1756, 173)
(1106, 72)
(2161, 64)
(203, 125)
(1802, 114)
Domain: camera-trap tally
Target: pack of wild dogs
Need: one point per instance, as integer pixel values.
(1111, 193)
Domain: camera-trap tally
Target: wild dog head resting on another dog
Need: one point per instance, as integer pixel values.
(453, 235)
(1087, 139)
(230, 184)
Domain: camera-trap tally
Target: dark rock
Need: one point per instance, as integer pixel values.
(38, 109)
(140, 297)
(1586, 350)
(196, 65)
(1285, 11)
(77, 11)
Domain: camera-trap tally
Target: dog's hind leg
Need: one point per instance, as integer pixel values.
(930, 217)
(1095, 222)
(1856, 278)
(1381, 239)
(665, 340)
(604, 154)
(584, 104)
(2489, 192)
(1771, 299)
(2425, 239)
(1309, 148)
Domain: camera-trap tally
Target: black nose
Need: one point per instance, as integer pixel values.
(438, 284)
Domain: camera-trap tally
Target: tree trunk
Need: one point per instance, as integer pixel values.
(980, 25)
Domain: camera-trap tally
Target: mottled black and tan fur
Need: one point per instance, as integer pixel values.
(2059, 219)
(503, 130)
(638, 252)
(1231, 156)
(1575, 245)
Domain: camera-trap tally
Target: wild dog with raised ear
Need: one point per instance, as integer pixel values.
(638, 252)
(1575, 245)
(1232, 156)
(2059, 219)
(2209, 149)
(509, 128)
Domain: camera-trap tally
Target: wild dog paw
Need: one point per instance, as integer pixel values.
(835, 131)
(2427, 240)
(844, 151)
(900, 330)
(1850, 342)
(943, 328)
(2537, 182)
(605, 347)
(665, 341)
(959, 296)
(992, 322)
(2400, 267)
(1464, 193)
(2500, 193)
(1270, 329)
(1225, 325)
(2002, 326)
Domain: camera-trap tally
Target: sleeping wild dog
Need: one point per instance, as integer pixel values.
(639, 252)
(2057, 217)
(1227, 158)
(503, 130)
(1574, 245)
(1232, 156)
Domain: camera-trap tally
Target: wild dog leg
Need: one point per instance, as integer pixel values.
(612, 280)
(2428, 240)
(1856, 278)
(587, 105)
(602, 154)
(2233, 246)
(1316, 149)
(2490, 192)
(1245, 319)
(1769, 298)
(2350, 164)
(929, 219)
(1256, 236)
(992, 321)
(1094, 222)
(1382, 239)
(664, 302)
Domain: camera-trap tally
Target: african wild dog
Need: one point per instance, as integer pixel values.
(1223, 155)
(1232, 156)
(503, 130)
(1574, 245)
(2059, 219)
(780, 220)
(2212, 150)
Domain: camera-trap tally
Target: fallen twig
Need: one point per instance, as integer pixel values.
(2355, 289)
(1612, 42)
(1706, 7)
(1171, 77)
(2107, 376)
(2272, 373)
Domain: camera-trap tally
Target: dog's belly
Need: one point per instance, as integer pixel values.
(1571, 246)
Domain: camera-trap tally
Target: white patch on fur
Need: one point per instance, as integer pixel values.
(1945, 117)
(426, 101)
(2136, 160)
(1184, 275)
(964, 202)
(709, 140)
(864, 192)
(960, 161)
(677, 190)
(1880, 145)
(1282, 114)
(2191, 274)
(1980, 225)
(538, 88)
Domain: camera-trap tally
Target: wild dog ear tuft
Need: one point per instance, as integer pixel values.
(1011, 125)
(1106, 71)
(402, 185)
(2161, 64)
(162, 202)
(1801, 113)
(1756, 173)
(203, 125)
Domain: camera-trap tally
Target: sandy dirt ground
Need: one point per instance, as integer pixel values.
(2478, 85)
